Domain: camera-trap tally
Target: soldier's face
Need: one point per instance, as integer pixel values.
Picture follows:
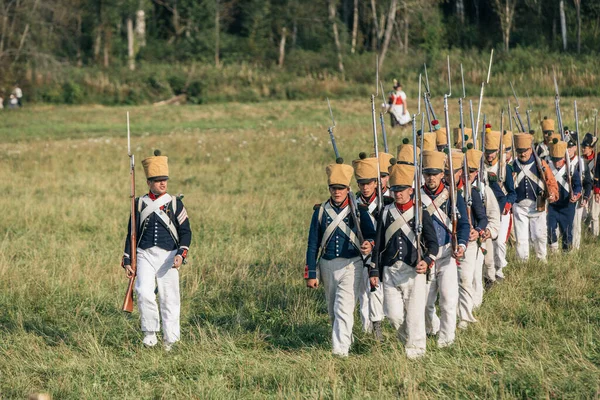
(490, 157)
(384, 181)
(457, 176)
(508, 155)
(338, 195)
(524, 156)
(472, 176)
(158, 187)
(571, 151)
(587, 151)
(559, 164)
(403, 196)
(367, 189)
(432, 181)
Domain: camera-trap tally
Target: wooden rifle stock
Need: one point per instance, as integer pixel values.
(128, 301)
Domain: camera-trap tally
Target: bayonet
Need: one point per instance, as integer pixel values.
(330, 130)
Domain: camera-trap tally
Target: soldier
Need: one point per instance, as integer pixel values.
(561, 213)
(436, 198)
(501, 182)
(334, 245)
(592, 211)
(396, 258)
(164, 236)
(582, 203)
(441, 141)
(543, 149)
(507, 139)
(370, 301)
(384, 167)
(534, 184)
(477, 219)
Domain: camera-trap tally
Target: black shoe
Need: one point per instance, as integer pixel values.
(489, 284)
(377, 331)
(499, 279)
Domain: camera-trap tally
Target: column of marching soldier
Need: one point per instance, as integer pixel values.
(364, 250)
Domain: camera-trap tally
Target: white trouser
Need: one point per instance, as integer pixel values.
(341, 279)
(593, 212)
(495, 259)
(444, 281)
(478, 276)
(155, 268)
(371, 303)
(530, 227)
(466, 277)
(405, 294)
(577, 224)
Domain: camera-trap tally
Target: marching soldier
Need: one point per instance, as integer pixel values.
(384, 169)
(396, 258)
(334, 246)
(543, 149)
(582, 203)
(436, 198)
(477, 220)
(441, 140)
(507, 139)
(500, 180)
(592, 211)
(561, 213)
(164, 236)
(534, 185)
(370, 302)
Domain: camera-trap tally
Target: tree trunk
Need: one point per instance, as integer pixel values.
(282, 47)
(336, 36)
(563, 24)
(375, 26)
(79, 35)
(578, 8)
(405, 28)
(388, 31)
(354, 26)
(107, 43)
(217, 34)
(130, 45)
(460, 10)
(4, 25)
(140, 27)
(24, 36)
(98, 43)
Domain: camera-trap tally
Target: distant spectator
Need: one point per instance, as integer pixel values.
(18, 94)
(13, 103)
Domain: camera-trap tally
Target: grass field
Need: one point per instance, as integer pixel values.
(250, 175)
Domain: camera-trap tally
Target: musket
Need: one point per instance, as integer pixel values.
(452, 190)
(417, 195)
(579, 155)
(376, 146)
(473, 128)
(467, 183)
(128, 301)
(528, 112)
(330, 130)
(481, 175)
(427, 98)
(562, 131)
(520, 124)
(595, 131)
(510, 125)
(381, 118)
(501, 156)
(483, 87)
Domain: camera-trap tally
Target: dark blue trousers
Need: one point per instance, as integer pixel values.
(561, 216)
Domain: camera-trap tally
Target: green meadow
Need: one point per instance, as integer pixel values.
(250, 174)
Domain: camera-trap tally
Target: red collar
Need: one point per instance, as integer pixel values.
(153, 196)
(343, 205)
(460, 183)
(370, 199)
(590, 157)
(405, 207)
(437, 191)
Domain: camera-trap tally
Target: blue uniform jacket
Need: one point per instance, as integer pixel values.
(527, 189)
(563, 194)
(443, 234)
(509, 186)
(479, 220)
(339, 245)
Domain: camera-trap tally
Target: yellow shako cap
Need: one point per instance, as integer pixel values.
(365, 168)
(339, 174)
(156, 167)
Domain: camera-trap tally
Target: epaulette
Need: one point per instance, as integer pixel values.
(179, 196)
(317, 206)
(387, 200)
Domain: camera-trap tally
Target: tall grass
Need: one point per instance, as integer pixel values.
(249, 327)
(308, 75)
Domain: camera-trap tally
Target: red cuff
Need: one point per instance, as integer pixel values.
(507, 207)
